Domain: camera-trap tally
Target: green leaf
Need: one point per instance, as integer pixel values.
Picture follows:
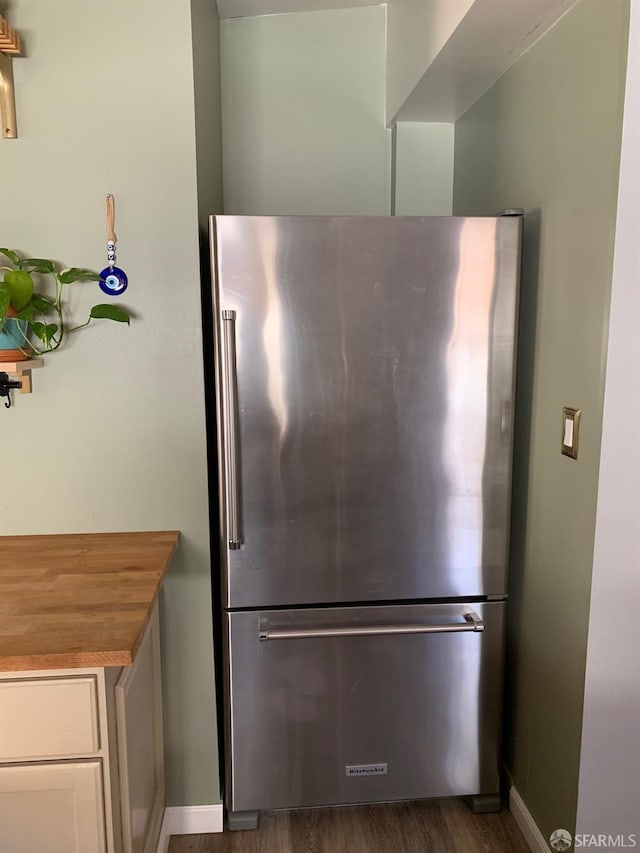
(41, 265)
(44, 332)
(41, 303)
(28, 313)
(9, 253)
(77, 274)
(51, 329)
(20, 286)
(109, 312)
(39, 331)
(5, 300)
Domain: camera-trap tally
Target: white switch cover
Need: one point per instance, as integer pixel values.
(568, 432)
(570, 424)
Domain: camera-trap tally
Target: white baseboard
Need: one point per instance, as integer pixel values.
(526, 824)
(189, 820)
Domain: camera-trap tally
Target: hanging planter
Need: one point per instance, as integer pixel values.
(33, 323)
(14, 333)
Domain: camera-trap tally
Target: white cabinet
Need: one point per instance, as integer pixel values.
(140, 748)
(81, 760)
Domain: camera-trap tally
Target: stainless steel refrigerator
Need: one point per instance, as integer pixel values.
(365, 374)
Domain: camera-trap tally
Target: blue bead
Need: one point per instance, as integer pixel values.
(114, 281)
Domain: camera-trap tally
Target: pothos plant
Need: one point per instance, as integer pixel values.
(41, 326)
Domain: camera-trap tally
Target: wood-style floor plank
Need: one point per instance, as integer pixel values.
(481, 833)
(430, 826)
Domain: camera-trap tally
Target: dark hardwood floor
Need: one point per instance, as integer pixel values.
(430, 826)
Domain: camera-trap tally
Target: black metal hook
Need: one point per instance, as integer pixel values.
(6, 385)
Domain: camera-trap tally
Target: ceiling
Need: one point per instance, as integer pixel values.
(492, 36)
(246, 8)
(481, 39)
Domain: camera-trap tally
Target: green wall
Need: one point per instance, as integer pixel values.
(546, 137)
(205, 31)
(113, 437)
(423, 169)
(303, 113)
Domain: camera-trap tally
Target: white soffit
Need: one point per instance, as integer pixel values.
(489, 39)
(247, 8)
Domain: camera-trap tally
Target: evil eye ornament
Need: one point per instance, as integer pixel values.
(113, 281)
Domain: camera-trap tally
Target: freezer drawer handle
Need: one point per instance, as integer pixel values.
(233, 508)
(472, 623)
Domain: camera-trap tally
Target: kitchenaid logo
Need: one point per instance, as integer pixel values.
(561, 839)
(366, 769)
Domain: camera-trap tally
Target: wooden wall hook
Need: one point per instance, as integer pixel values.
(9, 46)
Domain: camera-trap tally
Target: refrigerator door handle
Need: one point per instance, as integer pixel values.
(505, 419)
(233, 506)
(472, 622)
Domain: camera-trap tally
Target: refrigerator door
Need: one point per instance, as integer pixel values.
(355, 705)
(365, 378)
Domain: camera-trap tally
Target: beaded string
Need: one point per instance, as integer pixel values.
(111, 234)
(114, 281)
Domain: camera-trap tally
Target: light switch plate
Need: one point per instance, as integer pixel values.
(570, 431)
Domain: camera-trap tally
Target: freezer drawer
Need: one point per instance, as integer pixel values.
(363, 704)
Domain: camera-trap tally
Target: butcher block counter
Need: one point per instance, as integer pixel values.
(78, 600)
(80, 692)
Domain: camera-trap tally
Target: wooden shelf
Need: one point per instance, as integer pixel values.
(22, 370)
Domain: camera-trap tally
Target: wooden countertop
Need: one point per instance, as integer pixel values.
(81, 600)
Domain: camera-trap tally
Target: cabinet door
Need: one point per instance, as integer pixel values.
(139, 721)
(50, 808)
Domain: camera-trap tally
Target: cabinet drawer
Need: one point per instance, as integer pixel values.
(43, 718)
(52, 808)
